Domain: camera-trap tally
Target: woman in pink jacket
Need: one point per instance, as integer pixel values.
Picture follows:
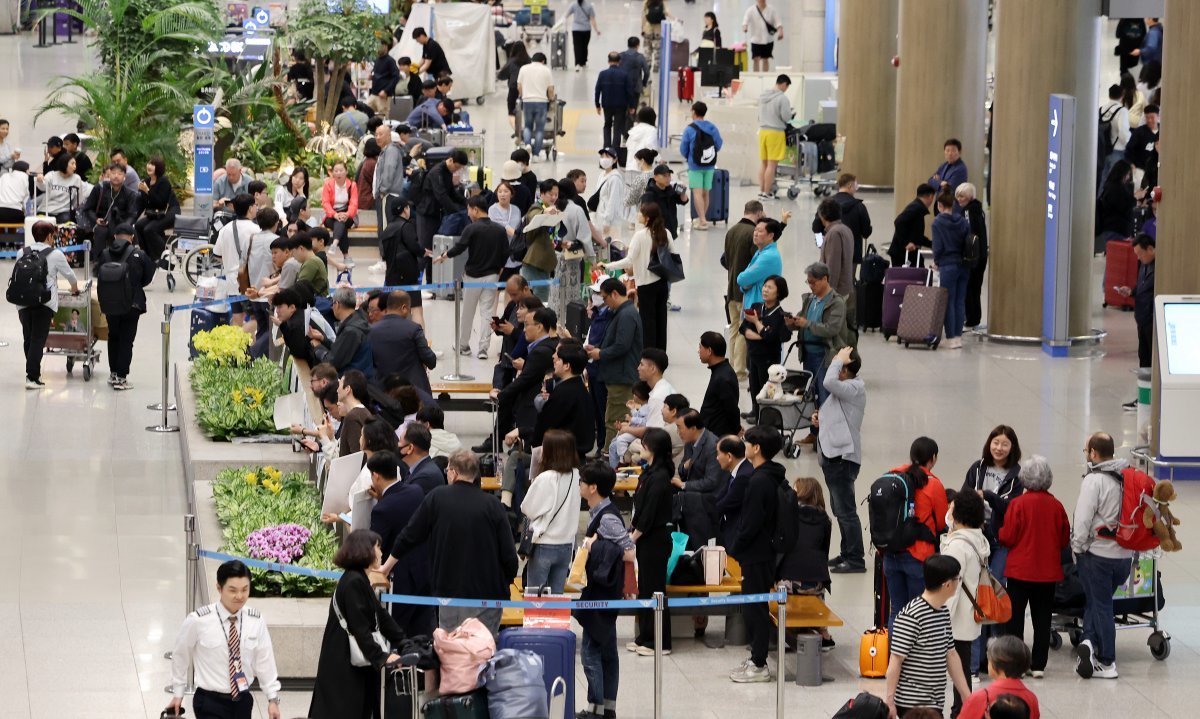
(339, 197)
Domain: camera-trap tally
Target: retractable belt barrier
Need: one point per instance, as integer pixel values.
(13, 254)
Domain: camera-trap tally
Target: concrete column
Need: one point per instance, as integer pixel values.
(941, 88)
(1177, 252)
(804, 31)
(867, 90)
(1041, 48)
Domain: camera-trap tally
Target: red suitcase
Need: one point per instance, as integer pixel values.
(687, 84)
(1120, 270)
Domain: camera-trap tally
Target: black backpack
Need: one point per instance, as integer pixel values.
(704, 148)
(114, 284)
(787, 520)
(892, 515)
(655, 12)
(27, 285)
(972, 251)
(863, 706)
(1104, 137)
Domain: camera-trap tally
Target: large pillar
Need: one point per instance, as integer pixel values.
(804, 33)
(867, 89)
(1177, 251)
(1041, 48)
(941, 88)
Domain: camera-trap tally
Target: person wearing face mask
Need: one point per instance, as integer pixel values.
(608, 203)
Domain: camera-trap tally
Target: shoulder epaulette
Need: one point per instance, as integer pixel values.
(203, 611)
(252, 612)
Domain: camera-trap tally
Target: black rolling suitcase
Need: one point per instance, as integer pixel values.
(869, 291)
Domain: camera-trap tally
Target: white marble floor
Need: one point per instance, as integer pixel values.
(91, 552)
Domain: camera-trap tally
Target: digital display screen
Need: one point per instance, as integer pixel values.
(1181, 332)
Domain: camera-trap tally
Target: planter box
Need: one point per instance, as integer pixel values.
(296, 625)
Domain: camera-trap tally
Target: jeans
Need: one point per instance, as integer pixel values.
(122, 331)
(839, 478)
(533, 127)
(531, 273)
(618, 448)
(549, 566)
(954, 279)
(35, 328)
(1101, 576)
(601, 666)
(614, 126)
(814, 362)
(1039, 596)
(758, 577)
(996, 563)
(905, 582)
(485, 300)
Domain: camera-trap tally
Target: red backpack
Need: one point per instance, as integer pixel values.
(1137, 488)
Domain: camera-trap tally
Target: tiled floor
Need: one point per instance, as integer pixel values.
(91, 552)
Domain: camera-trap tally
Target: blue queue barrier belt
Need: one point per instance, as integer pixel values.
(12, 254)
(507, 603)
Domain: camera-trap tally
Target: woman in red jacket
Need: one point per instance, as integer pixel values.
(905, 570)
(339, 198)
(1036, 530)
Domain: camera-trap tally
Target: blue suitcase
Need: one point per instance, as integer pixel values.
(718, 199)
(557, 649)
(202, 321)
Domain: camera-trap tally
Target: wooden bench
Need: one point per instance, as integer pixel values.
(443, 392)
(628, 484)
(806, 611)
(7, 227)
(730, 584)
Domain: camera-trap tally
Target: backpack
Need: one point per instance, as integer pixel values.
(655, 12)
(972, 251)
(787, 520)
(27, 286)
(1137, 489)
(1105, 140)
(114, 285)
(863, 706)
(891, 511)
(704, 148)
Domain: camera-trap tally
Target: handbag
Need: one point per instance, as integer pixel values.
(991, 601)
(243, 275)
(666, 264)
(525, 546)
(771, 29)
(357, 659)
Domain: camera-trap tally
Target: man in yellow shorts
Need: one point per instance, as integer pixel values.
(774, 115)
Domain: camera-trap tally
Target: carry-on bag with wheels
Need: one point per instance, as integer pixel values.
(718, 199)
(873, 647)
(922, 315)
(1120, 270)
(473, 705)
(399, 693)
(687, 84)
(681, 51)
(895, 282)
(557, 649)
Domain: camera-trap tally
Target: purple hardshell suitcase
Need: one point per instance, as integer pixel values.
(557, 649)
(923, 315)
(894, 283)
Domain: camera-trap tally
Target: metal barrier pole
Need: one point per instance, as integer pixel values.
(457, 376)
(659, 604)
(164, 424)
(192, 579)
(782, 610)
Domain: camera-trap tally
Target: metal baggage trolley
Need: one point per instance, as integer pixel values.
(73, 326)
(801, 165)
(554, 128)
(1136, 604)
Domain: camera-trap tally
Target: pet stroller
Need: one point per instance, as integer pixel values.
(793, 411)
(1136, 605)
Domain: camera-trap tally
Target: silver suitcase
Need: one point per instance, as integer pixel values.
(807, 159)
(400, 108)
(447, 272)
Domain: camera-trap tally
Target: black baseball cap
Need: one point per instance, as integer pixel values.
(54, 141)
(123, 229)
(608, 151)
(662, 170)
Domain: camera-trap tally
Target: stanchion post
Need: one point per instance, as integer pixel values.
(192, 579)
(164, 425)
(457, 376)
(660, 601)
(782, 610)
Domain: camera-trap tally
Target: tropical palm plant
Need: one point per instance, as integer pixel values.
(335, 34)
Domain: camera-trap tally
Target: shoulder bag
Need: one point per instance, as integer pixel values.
(771, 29)
(991, 601)
(357, 659)
(243, 275)
(666, 264)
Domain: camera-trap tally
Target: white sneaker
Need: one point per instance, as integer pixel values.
(1105, 671)
(34, 384)
(379, 266)
(649, 652)
(1037, 674)
(1085, 665)
(632, 646)
(747, 663)
(751, 674)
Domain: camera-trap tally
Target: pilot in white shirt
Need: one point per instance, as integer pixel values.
(229, 645)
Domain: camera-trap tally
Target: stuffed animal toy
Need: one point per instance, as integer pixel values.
(773, 389)
(1159, 517)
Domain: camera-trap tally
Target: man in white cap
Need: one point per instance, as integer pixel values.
(510, 172)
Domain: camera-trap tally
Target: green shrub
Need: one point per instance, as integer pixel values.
(236, 400)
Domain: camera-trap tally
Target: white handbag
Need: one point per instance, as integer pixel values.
(356, 655)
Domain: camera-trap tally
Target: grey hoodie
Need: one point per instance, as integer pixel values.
(774, 110)
(1099, 505)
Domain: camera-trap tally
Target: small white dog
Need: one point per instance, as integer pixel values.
(773, 389)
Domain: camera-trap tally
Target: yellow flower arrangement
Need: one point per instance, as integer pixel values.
(225, 345)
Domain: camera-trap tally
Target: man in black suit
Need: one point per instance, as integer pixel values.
(515, 401)
(418, 467)
(562, 409)
(699, 479)
(395, 504)
(398, 345)
(854, 214)
(731, 455)
(910, 227)
(720, 406)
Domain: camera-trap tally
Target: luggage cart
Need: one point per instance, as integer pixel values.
(793, 412)
(801, 164)
(534, 26)
(189, 247)
(1136, 604)
(554, 127)
(72, 328)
